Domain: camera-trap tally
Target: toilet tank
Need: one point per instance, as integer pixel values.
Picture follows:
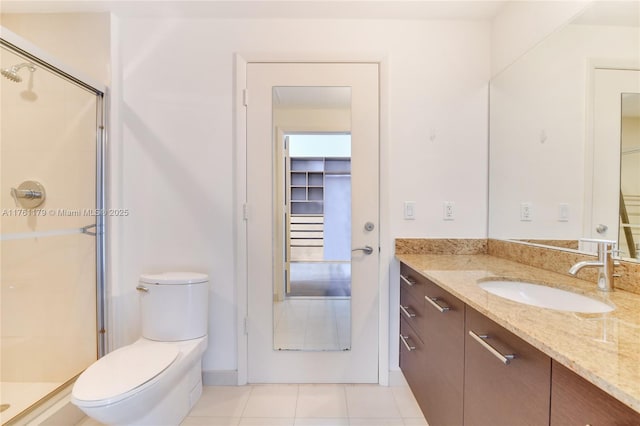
(174, 305)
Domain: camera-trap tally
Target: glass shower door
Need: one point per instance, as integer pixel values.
(50, 168)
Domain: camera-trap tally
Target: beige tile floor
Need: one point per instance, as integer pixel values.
(305, 405)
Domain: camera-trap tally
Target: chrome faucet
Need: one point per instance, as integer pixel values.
(605, 264)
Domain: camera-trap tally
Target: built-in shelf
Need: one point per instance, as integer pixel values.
(307, 195)
(306, 182)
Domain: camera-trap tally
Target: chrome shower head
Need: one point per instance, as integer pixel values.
(12, 73)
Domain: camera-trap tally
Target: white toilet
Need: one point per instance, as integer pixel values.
(156, 380)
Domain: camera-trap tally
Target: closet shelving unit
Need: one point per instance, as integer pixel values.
(307, 197)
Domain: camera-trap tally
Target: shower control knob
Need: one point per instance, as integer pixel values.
(29, 194)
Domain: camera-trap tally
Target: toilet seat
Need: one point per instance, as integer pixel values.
(122, 373)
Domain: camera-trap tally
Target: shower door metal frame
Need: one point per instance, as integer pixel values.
(22, 47)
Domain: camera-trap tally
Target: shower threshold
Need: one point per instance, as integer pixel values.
(18, 396)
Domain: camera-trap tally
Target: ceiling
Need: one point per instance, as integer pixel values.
(270, 9)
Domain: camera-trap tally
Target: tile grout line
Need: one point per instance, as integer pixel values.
(346, 402)
(295, 410)
(246, 402)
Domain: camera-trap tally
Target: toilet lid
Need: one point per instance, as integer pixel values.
(123, 370)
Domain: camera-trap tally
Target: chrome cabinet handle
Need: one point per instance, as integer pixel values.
(405, 311)
(405, 341)
(366, 249)
(142, 288)
(481, 338)
(434, 302)
(408, 280)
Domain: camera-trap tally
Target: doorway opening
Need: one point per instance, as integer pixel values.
(319, 221)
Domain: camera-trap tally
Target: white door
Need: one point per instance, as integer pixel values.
(609, 87)
(358, 362)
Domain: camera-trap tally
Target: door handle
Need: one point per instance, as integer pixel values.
(366, 249)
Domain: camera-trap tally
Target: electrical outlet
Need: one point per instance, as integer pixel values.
(409, 210)
(448, 212)
(526, 212)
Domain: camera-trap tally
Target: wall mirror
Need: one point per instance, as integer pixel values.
(312, 283)
(564, 140)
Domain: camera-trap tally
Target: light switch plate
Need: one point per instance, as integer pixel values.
(409, 210)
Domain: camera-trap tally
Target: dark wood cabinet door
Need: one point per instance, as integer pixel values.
(444, 357)
(575, 401)
(499, 394)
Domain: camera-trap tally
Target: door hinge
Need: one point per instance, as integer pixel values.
(245, 97)
(246, 325)
(245, 212)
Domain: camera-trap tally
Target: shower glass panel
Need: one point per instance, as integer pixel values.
(51, 232)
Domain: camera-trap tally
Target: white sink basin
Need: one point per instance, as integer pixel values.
(545, 297)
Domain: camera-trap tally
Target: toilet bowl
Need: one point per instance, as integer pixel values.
(156, 380)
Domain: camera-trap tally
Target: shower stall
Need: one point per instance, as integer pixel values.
(52, 145)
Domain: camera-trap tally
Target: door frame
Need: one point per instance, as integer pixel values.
(240, 213)
(592, 65)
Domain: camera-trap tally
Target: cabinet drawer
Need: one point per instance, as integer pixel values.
(412, 311)
(575, 401)
(412, 281)
(507, 392)
(412, 360)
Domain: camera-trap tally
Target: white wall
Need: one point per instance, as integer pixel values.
(176, 150)
(520, 25)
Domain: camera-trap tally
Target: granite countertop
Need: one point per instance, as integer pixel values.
(602, 348)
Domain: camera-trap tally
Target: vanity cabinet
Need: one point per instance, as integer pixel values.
(575, 401)
(507, 381)
(465, 369)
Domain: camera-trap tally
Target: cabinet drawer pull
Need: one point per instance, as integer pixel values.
(405, 341)
(435, 304)
(481, 338)
(408, 280)
(405, 310)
